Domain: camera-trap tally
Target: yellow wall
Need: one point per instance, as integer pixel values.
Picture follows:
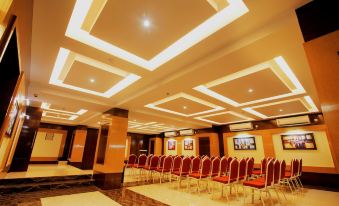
(257, 154)
(189, 152)
(78, 146)
(48, 150)
(157, 145)
(171, 152)
(316, 158)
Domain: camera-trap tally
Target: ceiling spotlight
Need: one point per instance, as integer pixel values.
(184, 107)
(280, 110)
(250, 90)
(92, 80)
(146, 23)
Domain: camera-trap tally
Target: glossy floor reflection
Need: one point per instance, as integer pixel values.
(46, 170)
(170, 194)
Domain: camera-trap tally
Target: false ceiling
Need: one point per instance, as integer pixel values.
(173, 64)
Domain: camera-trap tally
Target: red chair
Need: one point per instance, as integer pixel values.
(262, 184)
(191, 157)
(177, 161)
(223, 166)
(250, 167)
(215, 167)
(130, 162)
(300, 169)
(195, 165)
(262, 168)
(184, 171)
(230, 179)
(229, 160)
(166, 168)
(202, 174)
(151, 167)
(161, 161)
(141, 163)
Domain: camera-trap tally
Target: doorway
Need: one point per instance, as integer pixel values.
(204, 146)
(151, 150)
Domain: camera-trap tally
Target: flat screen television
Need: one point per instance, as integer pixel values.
(298, 141)
(244, 143)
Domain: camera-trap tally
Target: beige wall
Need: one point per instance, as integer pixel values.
(157, 145)
(257, 154)
(315, 158)
(48, 150)
(171, 152)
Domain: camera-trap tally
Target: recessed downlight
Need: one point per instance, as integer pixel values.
(250, 90)
(280, 110)
(146, 23)
(92, 80)
(184, 107)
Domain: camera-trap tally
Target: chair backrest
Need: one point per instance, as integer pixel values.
(263, 165)
(212, 158)
(242, 168)
(233, 170)
(168, 161)
(176, 163)
(191, 157)
(276, 173)
(300, 167)
(215, 167)
(195, 164)
(132, 159)
(154, 161)
(249, 167)
(149, 157)
(295, 167)
(223, 166)
(205, 167)
(229, 160)
(282, 169)
(269, 173)
(142, 160)
(161, 161)
(185, 166)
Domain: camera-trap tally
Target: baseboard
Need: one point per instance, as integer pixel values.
(320, 179)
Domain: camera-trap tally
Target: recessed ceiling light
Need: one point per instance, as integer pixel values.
(250, 90)
(184, 107)
(280, 110)
(92, 80)
(146, 23)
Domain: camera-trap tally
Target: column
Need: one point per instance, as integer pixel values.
(110, 154)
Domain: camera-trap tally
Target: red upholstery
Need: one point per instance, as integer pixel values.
(276, 172)
(242, 168)
(176, 163)
(250, 166)
(162, 170)
(195, 164)
(141, 161)
(256, 172)
(287, 174)
(282, 169)
(223, 179)
(178, 173)
(223, 166)
(215, 167)
(197, 175)
(255, 183)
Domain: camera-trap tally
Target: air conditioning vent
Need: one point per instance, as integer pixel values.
(293, 121)
(241, 126)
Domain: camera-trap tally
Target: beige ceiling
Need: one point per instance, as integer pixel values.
(286, 108)
(185, 106)
(227, 117)
(80, 75)
(268, 30)
(120, 23)
(264, 84)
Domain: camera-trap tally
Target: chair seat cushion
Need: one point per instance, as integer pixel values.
(138, 166)
(256, 172)
(223, 179)
(255, 183)
(242, 177)
(177, 173)
(160, 170)
(129, 165)
(287, 174)
(150, 168)
(197, 175)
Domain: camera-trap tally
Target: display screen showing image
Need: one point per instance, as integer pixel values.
(244, 143)
(12, 118)
(298, 141)
(171, 145)
(188, 144)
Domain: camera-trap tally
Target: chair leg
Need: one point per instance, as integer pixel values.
(262, 198)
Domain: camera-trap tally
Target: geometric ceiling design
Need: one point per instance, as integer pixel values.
(301, 105)
(246, 86)
(86, 13)
(224, 118)
(184, 105)
(67, 59)
(59, 113)
(149, 126)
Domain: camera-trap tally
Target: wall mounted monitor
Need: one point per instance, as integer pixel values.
(244, 143)
(298, 141)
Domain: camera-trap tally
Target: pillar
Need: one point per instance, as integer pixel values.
(110, 153)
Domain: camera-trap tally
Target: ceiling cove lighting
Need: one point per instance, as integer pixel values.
(70, 117)
(306, 101)
(75, 30)
(203, 118)
(64, 62)
(46, 106)
(186, 96)
(277, 64)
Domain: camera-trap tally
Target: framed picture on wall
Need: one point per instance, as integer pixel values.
(12, 117)
(171, 144)
(244, 143)
(188, 144)
(49, 136)
(298, 141)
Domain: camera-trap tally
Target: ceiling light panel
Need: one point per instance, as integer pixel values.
(224, 118)
(64, 62)
(296, 106)
(211, 107)
(277, 70)
(86, 12)
(59, 115)
(46, 106)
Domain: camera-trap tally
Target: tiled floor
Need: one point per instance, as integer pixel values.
(45, 170)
